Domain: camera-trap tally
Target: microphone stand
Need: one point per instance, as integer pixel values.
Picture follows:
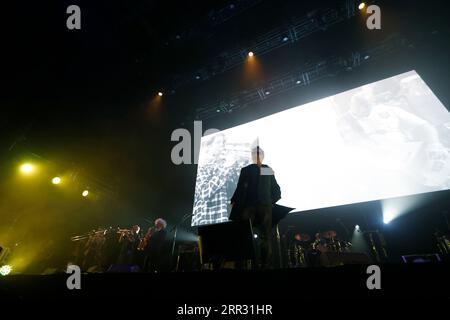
(280, 259)
(175, 231)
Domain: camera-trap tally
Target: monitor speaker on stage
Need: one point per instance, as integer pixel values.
(230, 241)
(330, 259)
(421, 258)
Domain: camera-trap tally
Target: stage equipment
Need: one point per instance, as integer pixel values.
(228, 241)
(421, 258)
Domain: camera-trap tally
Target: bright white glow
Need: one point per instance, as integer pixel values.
(361, 6)
(5, 270)
(56, 180)
(388, 217)
(251, 54)
(85, 193)
(395, 207)
(26, 168)
(357, 227)
(255, 236)
(383, 140)
(160, 94)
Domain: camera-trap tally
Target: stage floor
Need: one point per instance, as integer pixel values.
(232, 286)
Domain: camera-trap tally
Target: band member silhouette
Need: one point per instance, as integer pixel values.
(256, 193)
(156, 249)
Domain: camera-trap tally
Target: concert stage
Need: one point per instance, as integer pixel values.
(225, 152)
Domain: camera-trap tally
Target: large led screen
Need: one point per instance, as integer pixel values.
(386, 139)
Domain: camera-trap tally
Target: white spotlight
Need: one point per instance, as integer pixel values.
(388, 217)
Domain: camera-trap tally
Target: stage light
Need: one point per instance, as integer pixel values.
(397, 207)
(160, 94)
(5, 270)
(26, 168)
(358, 242)
(56, 180)
(298, 82)
(251, 54)
(255, 236)
(361, 6)
(85, 193)
(387, 218)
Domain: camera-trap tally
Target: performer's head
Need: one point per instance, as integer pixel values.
(160, 224)
(257, 155)
(136, 229)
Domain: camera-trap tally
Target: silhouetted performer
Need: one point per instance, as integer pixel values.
(157, 254)
(256, 192)
(129, 240)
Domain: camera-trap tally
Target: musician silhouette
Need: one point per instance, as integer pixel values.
(256, 193)
(157, 255)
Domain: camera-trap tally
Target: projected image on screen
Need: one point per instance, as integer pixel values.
(386, 139)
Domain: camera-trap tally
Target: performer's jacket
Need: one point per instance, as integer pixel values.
(158, 252)
(254, 189)
(157, 242)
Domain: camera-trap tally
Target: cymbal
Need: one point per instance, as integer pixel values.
(329, 234)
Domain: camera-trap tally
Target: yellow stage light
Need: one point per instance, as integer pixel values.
(361, 6)
(5, 270)
(85, 193)
(251, 54)
(56, 180)
(26, 168)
